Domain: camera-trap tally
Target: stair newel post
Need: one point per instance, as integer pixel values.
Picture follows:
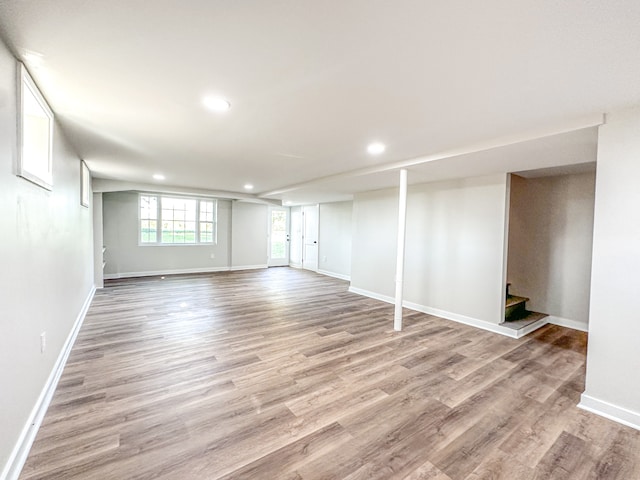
(402, 222)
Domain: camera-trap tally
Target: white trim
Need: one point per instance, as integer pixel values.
(333, 274)
(370, 294)
(295, 264)
(610, 411)
(248, 267)
(179, 271)
(473, 322)
(20, 451)
(112, 276)
(85, 185)
(25, 82)
(568, 323)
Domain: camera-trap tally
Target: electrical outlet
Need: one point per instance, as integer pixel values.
(43, 342)
(213, 255)
(324, 259)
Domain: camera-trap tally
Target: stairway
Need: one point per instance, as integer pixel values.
(515, 308)
(518, 318)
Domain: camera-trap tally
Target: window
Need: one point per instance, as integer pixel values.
(35, 133)
(177, 220)
(85, 184)
(148, 219)
(206, 221)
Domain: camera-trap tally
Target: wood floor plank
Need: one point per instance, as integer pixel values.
(500, 466)
(533, 439)
(285, 460)
(568, 458)
(283, 374)
(427, 471)
(460, 457)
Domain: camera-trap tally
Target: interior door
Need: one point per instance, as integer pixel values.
(295, 230)
(310, 218)
(278, 237)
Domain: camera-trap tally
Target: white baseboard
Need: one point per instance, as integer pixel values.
(370, 294)
(473, 322)
(18, 456)
(155, 273)
(248, 267)
(295, 265)
(335, 275)
(610, 411)
(568, 323)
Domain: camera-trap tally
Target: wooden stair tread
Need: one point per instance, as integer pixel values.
(515, 300)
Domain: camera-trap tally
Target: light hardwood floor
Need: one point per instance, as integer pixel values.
(283, 374)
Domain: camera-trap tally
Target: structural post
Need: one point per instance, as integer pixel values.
(402, 222)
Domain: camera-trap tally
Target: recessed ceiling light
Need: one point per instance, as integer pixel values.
(217, 104)
(158, 176)
(376, 148)
(248, 186)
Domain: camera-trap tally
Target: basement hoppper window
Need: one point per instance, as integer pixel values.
(35, 133)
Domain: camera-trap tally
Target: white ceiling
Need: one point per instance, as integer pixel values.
(313, 82)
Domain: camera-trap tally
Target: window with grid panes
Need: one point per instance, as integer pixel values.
(177, 220)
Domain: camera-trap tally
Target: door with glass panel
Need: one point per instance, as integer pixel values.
(278, 236)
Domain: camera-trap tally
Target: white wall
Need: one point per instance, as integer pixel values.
(454, 252)
(125, 257)
(613, 358)
(550, 243)
(454, 246)
(98, 241)
(249, 235)
(46, 254)
(242, 241)
(373, 246)
(335, 239)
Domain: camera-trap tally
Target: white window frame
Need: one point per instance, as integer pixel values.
(85, 184)
(37, 169)
(159, 222)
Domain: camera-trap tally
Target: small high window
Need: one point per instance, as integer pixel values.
(35, 133)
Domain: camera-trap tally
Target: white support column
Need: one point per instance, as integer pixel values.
(402, 222)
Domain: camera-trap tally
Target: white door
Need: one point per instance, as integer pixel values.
(278, 237)
(295, 245)
(310, 219)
